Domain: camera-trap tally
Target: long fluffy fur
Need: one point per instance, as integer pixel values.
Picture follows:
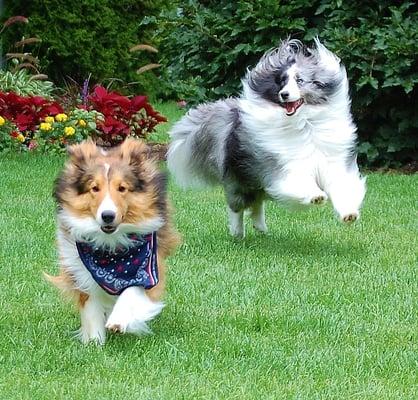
(295, 149)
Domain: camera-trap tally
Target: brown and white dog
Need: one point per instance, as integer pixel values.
(110, 203)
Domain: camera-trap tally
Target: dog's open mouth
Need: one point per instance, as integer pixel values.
(292, 106)
(108, 228)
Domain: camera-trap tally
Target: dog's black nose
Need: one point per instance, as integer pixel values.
(284, 95)
(108, 216)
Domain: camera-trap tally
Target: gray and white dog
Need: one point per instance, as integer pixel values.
(289, 137)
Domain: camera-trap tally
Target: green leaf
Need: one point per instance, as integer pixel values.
(322, 8)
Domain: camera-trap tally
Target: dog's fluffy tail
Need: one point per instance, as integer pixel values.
(182, 160)
(179, 162)
(63, 282)
(196, 154)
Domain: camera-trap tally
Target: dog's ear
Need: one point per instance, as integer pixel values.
(307, 52)
(81, 153)
(326, 58)
(134, 152)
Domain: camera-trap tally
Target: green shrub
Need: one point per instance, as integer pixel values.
(80, 37)
(206, 47)
(24, 83)
(7, 141)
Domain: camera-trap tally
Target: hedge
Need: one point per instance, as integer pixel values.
(82, 37)
(206, 47)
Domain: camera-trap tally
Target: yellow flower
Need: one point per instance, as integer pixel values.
(20, 138)
(45, 126)
(61, 117)
(69, 131)
(49, 120)
(82, 123)
(2, 121)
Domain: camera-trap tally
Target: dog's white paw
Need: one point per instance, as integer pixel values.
(260, 227)
(319, 199)
(116, 325)
(86, 336)
(350, 217)
(237, 233)
(133, 319)
(132, 311)
(236, 224)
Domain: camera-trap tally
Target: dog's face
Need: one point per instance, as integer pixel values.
(109, 192)
(293, 75)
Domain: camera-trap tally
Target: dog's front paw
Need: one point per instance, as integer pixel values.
(132, 311)
(350, 218)
(129, 322)
(237, 235)
(118, 321)
(116, 326)
(320, 199)
(87, 336)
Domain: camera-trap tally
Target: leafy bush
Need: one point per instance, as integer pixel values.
(82, 37)
(122, 116)
(206, 47)
(10, 139)
(24, 83)
(24, 77)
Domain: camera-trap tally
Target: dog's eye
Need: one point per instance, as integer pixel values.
(95, 189)
(299, 81)
(122, 189)
(319, 84)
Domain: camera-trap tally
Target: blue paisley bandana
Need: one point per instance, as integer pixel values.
(114, 271)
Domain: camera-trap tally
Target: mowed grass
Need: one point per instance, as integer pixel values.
(312, 310)
(172, 112)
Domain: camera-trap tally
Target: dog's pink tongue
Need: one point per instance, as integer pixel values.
(290, 107)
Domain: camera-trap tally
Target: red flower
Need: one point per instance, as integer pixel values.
(113, 127)
(51, 109)
(119, 112)
(138, 102)
(27, 112)
(24, 122)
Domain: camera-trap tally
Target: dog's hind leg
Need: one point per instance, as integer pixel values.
(236, 223)
(236, 206)
(258, 216)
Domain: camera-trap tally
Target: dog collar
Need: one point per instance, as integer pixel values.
(114, 271)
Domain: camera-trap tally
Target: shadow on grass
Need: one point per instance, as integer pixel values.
(279, 244)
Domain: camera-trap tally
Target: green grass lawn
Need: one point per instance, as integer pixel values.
(173, 113)
(312, 310)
